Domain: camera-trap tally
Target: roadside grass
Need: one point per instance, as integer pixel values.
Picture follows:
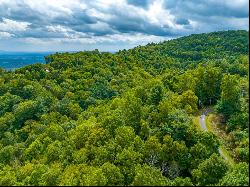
(196, 122)
(208, 123)
(213, 123)
(227, 155)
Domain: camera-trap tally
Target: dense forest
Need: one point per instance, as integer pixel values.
(97, 118)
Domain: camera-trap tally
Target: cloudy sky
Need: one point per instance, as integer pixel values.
(110, 25)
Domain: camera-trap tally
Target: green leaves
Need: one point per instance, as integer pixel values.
(236, 176)
(113, 174)
(7, 101)
(124, 136)
(126, 161)
(189, 101)
(7, 176)
(230, 95)
(24, 111)
(210, 171)
(149, 176)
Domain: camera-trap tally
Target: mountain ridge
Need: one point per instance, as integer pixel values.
(97, 118)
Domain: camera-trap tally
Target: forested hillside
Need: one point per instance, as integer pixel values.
(97, 118)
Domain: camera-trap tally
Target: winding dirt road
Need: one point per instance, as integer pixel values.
(204, 127)
(203, 122)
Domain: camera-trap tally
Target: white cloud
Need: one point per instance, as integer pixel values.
(65, 31)
(11, 25)
(234, 3)
(100, 15)
(137, 39)
(54, 8)
(59, 22)
(4, 35)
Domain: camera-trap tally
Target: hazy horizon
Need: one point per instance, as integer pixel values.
(111, 51)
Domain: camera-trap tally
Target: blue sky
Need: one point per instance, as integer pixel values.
(110, 25)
